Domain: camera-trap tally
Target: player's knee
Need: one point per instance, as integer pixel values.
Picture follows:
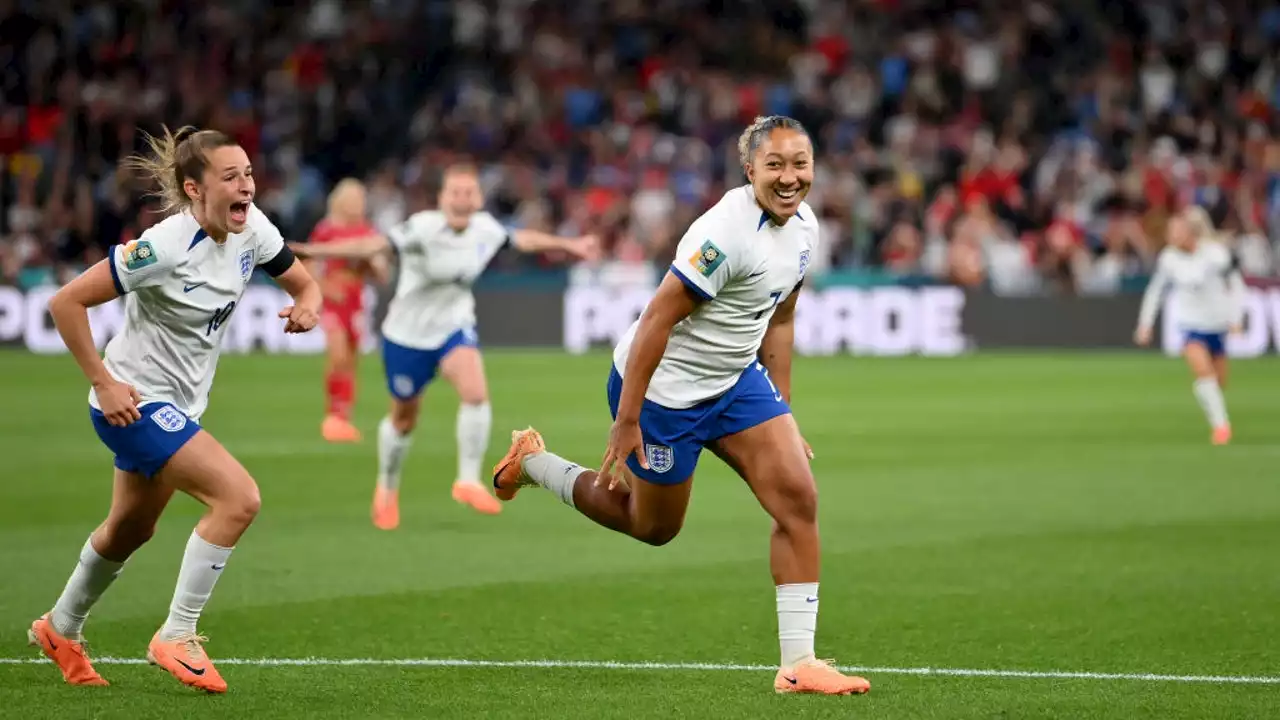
(473, 396)
(404, 423)
(122, 535)
(656, 534)
(242, 506)
(798, 504)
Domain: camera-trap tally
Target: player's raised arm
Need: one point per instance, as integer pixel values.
(363, 248)
(586, 247)
(279, 261)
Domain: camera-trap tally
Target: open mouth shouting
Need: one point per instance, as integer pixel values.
(240, 212)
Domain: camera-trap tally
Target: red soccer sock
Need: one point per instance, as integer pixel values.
(341, 389)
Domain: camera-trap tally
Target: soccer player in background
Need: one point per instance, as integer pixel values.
(1209, 292)
(430, 327)
(181, 281)
(343, 282)
(708, 365)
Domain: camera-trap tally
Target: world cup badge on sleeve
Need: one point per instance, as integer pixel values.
(660, 457)
(246, 264)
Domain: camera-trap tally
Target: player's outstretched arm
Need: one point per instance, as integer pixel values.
(673, 302)
(586, 247)
(70, 310)
(362, 248)
(304, 313)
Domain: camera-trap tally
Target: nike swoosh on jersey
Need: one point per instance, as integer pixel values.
(189, 288)
(756, 274)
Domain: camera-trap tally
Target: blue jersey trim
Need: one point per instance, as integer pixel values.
(764, 218)
(690, 284)
(200, 235)
(115, 272)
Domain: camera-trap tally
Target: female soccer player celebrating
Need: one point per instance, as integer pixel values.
(1209, 292)
(181, 281)
(343, 284)
(430, 327)
(708, 364)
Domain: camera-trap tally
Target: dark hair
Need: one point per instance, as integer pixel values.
(757, 131)
(176, 157)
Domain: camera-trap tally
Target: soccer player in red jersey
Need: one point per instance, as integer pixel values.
(343, 282)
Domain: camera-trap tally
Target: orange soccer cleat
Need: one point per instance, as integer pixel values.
(474, 494)
(508, 474)
(184, 657)
(335, 429)
(386, 508)
(69, 655)
(1222, 435)
(818, 677)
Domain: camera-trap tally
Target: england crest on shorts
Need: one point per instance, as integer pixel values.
(660, 457)
(169, 419)
(246, 264)
(804, 262)
(403, 385)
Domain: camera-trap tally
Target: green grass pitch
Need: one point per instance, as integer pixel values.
(1057, 513)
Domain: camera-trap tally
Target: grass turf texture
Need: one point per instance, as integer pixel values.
(1005, 512)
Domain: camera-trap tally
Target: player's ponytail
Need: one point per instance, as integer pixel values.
(174, 158)
(757, 131)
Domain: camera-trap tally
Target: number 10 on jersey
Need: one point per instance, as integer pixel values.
(220, 316)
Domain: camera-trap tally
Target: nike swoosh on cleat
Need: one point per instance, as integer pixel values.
(219, 566)
(49, 639)
(201, 670)
(791, 680)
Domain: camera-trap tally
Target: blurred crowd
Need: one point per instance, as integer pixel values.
(1025, 147)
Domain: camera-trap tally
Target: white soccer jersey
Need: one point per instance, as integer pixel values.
(180, 290)
(1208, 290)
(438, 266)
(743, 266)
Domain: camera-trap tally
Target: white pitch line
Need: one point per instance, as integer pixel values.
(690, 666)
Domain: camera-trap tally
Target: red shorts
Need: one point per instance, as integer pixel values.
(345, 314)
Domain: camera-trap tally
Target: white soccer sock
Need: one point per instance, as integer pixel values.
(392, 447)
(92, 576)
(797, 621)
(1211, 401)
(201, 567)
(474, 422)
(553, 473)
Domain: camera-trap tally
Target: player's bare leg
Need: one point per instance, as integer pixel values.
(648, 512)
(136, 506)
(1208, 390)
(771, 458)
(340, 375)
(463, 368)
(205, 470)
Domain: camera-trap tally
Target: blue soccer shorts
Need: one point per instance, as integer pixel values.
(674, 438)
(145, 445)
(409, 370)
(1215, 343)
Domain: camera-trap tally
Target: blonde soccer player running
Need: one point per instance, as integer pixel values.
(430, 327)
(181, 281)
(708, 365)
(1209, 292)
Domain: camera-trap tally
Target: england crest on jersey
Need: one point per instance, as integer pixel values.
(246, 264)
(660, 457)
(804, 262)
